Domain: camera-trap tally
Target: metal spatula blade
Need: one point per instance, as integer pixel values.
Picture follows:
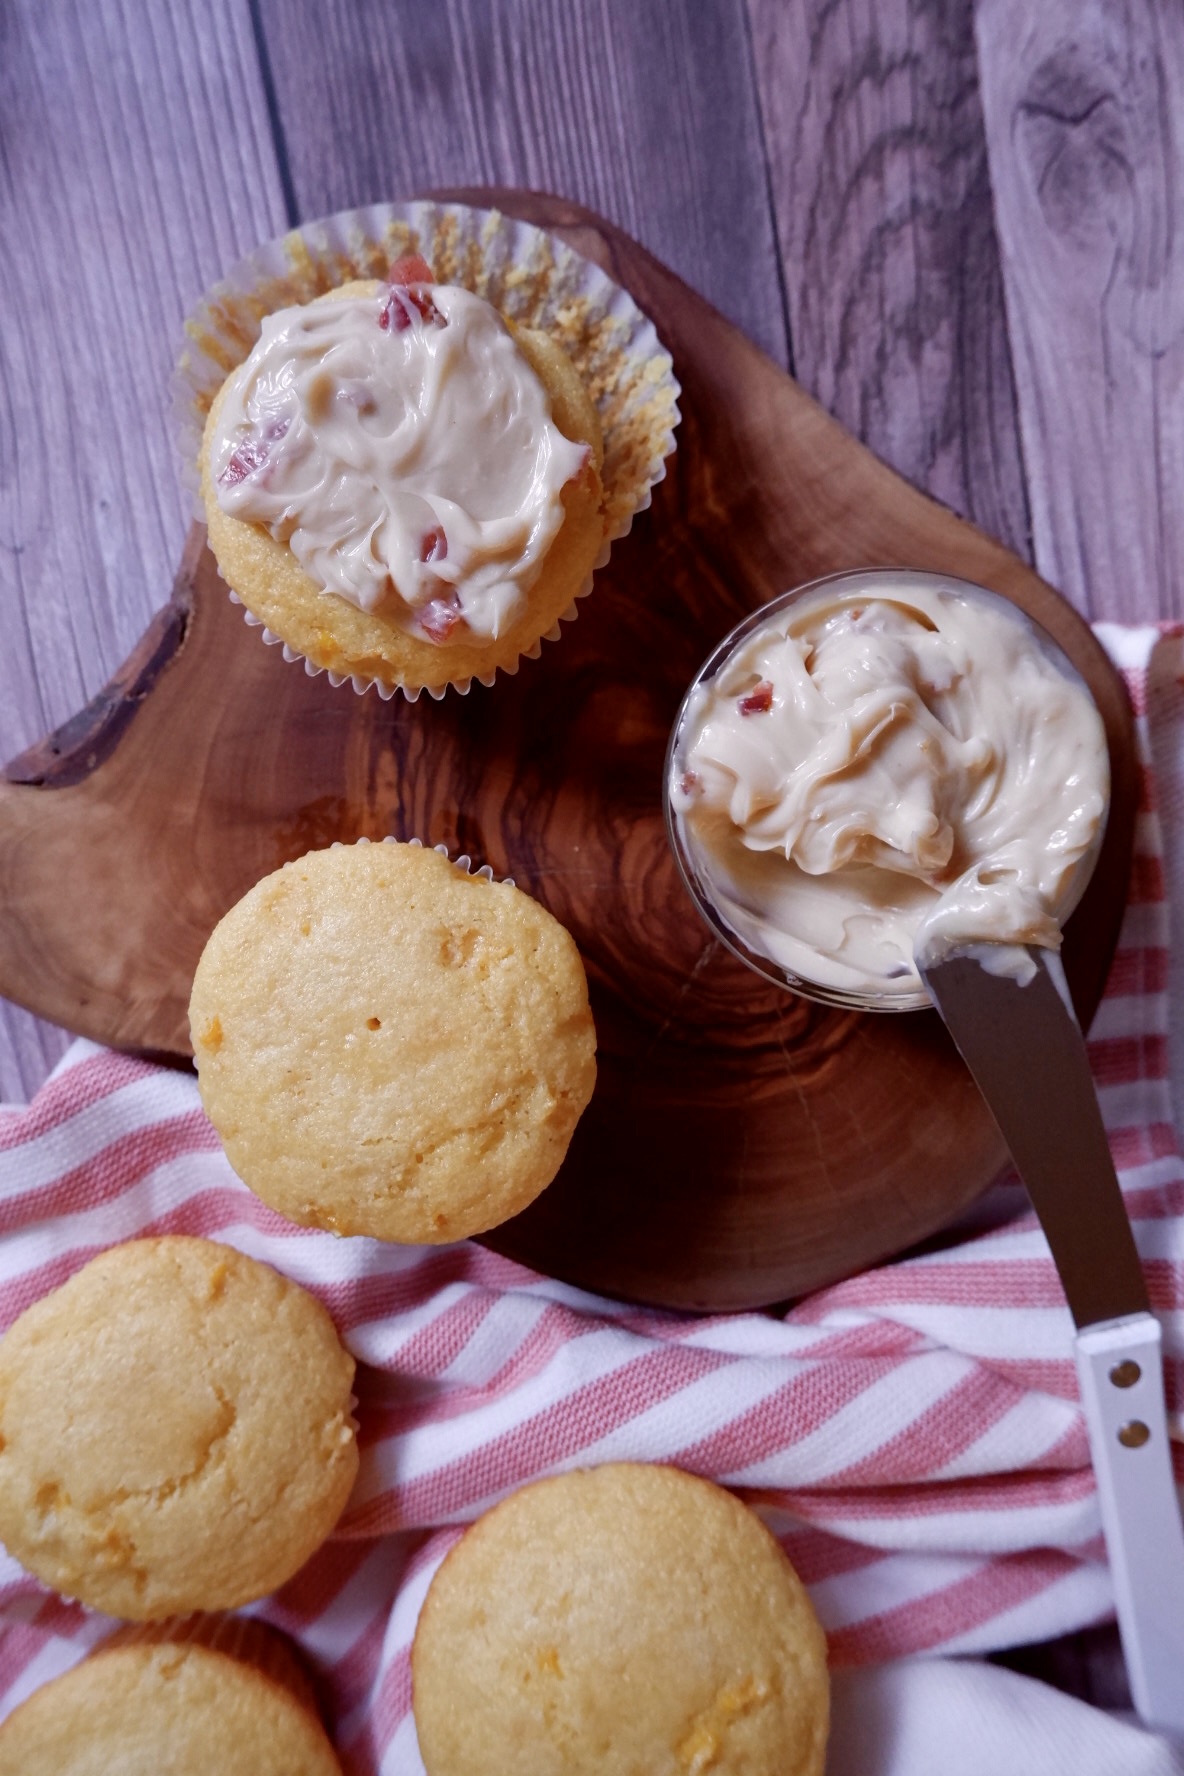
(1026, 1051)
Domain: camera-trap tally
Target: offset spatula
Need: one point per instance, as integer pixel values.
(1026, 1051)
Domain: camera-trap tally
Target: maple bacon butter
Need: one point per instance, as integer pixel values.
(884, 765)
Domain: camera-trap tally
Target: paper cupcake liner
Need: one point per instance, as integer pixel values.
(530, 276)
(411, 693)
(462, 860)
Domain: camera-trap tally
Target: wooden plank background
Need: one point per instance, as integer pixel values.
(960, 225)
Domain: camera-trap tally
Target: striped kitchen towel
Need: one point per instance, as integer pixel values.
(913, 1435)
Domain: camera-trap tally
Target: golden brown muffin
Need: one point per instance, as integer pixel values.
(617, 1620)
(175, 1430)
(390, 1046)
(333, 633)
(168, 1709)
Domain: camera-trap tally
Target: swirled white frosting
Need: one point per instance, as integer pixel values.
(403, 448)
(869, 777)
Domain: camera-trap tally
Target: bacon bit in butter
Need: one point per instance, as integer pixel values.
(758, 701)
(403, 306)
(412, 268)
(253, 454)
(440, 616)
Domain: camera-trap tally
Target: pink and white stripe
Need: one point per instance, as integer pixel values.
(913, 1434)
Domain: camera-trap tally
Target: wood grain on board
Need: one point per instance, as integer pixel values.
(743, 1144)
(878, 175)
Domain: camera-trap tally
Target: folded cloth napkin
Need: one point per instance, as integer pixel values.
(912, 1435)
(960, 1717)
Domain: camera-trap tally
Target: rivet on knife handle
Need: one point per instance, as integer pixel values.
(1132, 1458)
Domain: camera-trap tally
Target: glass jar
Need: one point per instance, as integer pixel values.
(702, 872)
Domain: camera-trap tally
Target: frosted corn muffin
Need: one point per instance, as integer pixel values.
(401, 484)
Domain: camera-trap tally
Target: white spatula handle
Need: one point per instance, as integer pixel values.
(1120, 1365)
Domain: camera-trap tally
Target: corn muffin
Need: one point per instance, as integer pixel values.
(402, 485)
(175, 1430)
(172, 1707)
(616, 1620)
(390, 1046)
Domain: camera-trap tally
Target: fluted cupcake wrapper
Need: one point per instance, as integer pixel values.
(412, 693)
(532, 277)
(462, 861)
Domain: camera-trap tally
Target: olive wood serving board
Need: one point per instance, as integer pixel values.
(743, 1145)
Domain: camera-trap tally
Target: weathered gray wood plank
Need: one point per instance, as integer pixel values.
(1086, 143)
(878, 173)
(135, 165)
(642, 109)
